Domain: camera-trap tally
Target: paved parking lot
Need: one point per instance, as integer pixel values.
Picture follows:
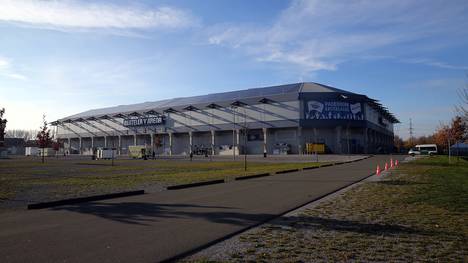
(162, 225)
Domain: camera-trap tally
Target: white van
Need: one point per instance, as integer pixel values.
(423, 149)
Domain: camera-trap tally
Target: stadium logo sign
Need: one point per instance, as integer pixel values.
(143, 121)
(333, 110)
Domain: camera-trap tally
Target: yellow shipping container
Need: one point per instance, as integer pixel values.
(138, 151)
(315, 148)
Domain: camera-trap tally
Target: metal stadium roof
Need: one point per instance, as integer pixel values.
(222, 99)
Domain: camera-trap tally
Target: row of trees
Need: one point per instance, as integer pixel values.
(446, 134)
(456, 131)
(43, 136)
(18, 133)
(450, 134)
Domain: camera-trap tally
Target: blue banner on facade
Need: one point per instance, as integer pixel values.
(332, 110)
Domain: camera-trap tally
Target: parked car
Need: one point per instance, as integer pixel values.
(423, 149)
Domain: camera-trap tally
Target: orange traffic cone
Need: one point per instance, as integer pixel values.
(391, 163)
(396, 162)
(386, 166)
(377, 171)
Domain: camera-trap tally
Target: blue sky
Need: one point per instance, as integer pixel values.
(64, 57)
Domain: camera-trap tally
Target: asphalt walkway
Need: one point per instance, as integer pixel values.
(160, 226)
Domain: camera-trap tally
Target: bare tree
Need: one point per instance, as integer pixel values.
(3, 123)
(44, 138)
(462, 108)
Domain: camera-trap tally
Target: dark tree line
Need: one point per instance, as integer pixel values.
(20, 133)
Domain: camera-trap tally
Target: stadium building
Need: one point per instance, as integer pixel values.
(283, 119)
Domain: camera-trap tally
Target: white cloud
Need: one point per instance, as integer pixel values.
(433, 63)
(85, 15)
(6, 70)
(319, 35)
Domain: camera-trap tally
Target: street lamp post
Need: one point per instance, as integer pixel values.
(347, 138)
(245, 141)
(448, 145)
(212, 106)
(113, 147)
(212, 135)
(233, 108)
(346, 98)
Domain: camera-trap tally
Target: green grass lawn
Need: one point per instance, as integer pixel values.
(418, 213)
(443, 185)
(58, 178)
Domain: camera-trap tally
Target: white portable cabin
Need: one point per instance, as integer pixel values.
(106, 153)
(46, 152)
(31, 151)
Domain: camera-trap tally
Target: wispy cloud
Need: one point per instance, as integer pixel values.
(434, 63)
(319, 35)
(6, 70)
(74, 14)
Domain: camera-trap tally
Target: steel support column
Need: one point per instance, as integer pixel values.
(338, 140)
(170, 144)
(237, 141)
(152, 142)
(120, 144)
(213, 133)
(81, 146)
(366, 140)
(191, 142)
(69, 145)
(299, 140)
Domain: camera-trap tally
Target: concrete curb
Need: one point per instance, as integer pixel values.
(287, 171)
(251, 176)
(84, 199)
(183, 186)
(310, 167)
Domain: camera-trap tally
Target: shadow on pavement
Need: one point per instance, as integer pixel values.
(143, 213)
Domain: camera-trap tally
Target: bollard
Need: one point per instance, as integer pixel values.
(386, 166)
